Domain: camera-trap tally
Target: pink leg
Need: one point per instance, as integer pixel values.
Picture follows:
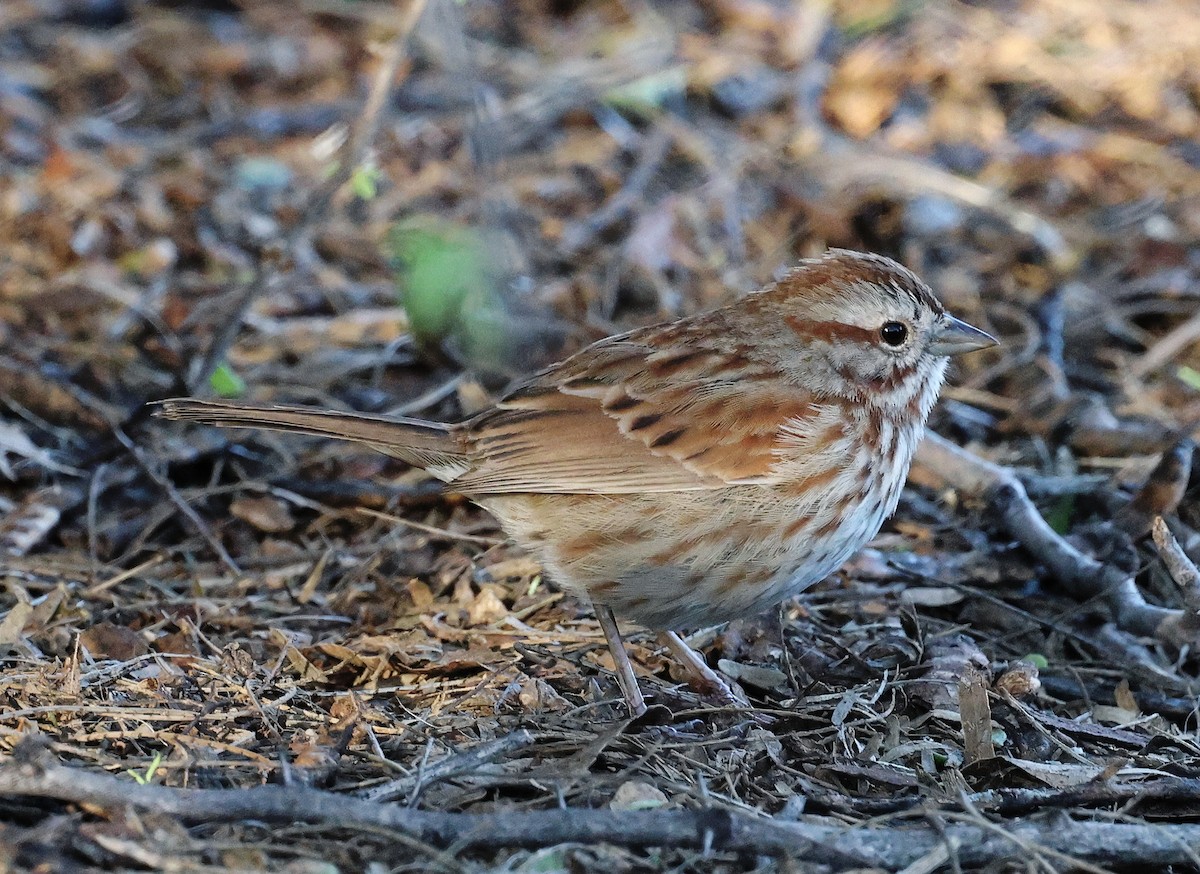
(625, 675)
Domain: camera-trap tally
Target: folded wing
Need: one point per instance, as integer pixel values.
(652, 411)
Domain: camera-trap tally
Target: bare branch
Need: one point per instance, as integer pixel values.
(32, 772)
(946, 465)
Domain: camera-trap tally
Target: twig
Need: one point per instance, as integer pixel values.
(1181, 568)
(1162, 491)
(581, 235)
(1014, 802)
(1167, 347)
(451, 766)
(433, 531)
(952, 466)
(30, 771)
(173, 495)
(97, 407)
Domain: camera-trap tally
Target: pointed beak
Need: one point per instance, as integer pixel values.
(954, 337)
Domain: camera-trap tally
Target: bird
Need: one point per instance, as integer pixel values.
(699, 470)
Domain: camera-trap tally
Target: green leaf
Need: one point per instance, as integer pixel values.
(226, 383)
(645, 96)
(1059, 518)
(1189, 376)
(440, 275)
(1038, 660)
(151, 770)
(364, 182)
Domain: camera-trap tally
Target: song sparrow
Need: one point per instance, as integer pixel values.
(695, 471)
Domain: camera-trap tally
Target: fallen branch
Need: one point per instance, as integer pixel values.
(451, 766)
(30, 771)
(1181, 568)
(943, 464)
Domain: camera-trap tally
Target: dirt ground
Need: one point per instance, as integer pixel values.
(405, 207)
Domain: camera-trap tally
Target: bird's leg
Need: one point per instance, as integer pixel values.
(625, 676)
(705, 678)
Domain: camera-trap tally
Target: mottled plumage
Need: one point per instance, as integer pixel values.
(703, 469)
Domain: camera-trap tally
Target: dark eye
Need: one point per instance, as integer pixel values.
(893, 333)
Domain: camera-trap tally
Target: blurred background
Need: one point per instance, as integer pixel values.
(406, 206)
(531, 176)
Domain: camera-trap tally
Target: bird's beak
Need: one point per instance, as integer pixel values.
(954, 337)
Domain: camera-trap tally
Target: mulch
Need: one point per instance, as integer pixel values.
(235, 651)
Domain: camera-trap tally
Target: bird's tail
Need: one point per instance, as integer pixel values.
(431, 445)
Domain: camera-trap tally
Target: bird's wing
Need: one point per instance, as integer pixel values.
(652, 411)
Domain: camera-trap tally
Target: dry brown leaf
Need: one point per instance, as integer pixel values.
(265, 513)
(421, 594)
(864, 89)
(636, 795)
(106, 640)
(487, 606)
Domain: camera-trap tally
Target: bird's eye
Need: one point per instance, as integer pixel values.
(893, 333)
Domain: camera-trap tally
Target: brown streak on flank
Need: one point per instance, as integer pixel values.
(583, 545)
(816, 482)
(829, 332)
(678, 549)
(796, 527)
(605, 588)
(759, 576)
(751, 579)
(729, 584)
(828, 528)
(835, 521)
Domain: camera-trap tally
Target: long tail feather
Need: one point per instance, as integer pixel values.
(431, 445)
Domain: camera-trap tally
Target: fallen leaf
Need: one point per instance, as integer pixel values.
(264, 513)
(759, 676)
(931, 596)
(106, 640)
(487, 607)
(636, 795)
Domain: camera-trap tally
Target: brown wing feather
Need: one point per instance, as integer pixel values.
(622, 417)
